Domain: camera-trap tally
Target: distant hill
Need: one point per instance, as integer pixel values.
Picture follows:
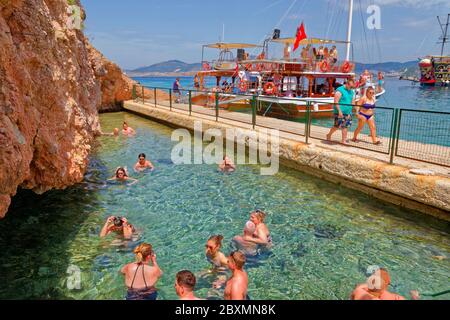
(169, 67)
(387, 66)
(177, 67)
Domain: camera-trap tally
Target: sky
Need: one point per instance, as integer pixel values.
(136, 33)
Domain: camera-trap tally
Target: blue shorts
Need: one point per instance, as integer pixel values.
(343, 123)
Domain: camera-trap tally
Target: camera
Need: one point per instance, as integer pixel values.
(118, 221)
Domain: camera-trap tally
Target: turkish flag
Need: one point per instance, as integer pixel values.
(301, 34)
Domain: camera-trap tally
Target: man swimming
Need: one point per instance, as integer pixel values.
(185, 284)
(376, 287)
(227, 165)
(143, 164)
(236, 288)
(122, 176)
(247, 247)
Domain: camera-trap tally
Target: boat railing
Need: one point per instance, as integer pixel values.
(420, 135)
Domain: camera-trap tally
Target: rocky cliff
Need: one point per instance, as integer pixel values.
(52, 84)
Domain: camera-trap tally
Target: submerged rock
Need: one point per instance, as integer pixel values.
(327, 231)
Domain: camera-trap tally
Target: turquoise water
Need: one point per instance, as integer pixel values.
(325, 236)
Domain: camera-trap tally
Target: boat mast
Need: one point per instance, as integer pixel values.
(444, 32)
(349, 30)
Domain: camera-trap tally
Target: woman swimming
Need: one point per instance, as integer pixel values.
(366, 114)
(227, 165)
(262, 234)
(122, 176)
(127, 130)
(213, 254)
(140, 278)
(143, 164)
(119, 225)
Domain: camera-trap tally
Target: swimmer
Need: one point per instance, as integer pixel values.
(261, 234)
(127, 130)
(227, 165)
(247, 247)
(376, 287)
(140, 278)
(143, 164)
(213, 254)
(185, 284)
(118, 225)
(236, 288)
(115, 133)
(122, 176)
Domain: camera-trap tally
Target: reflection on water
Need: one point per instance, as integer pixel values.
(325, 236)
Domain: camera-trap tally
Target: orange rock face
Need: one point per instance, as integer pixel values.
(52, 82)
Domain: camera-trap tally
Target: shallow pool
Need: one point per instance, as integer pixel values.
(325, 236)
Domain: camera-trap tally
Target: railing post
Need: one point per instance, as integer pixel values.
(394, 135)
(154, 93)
(308, 121)
(134, 93)
(190, 102)
(254, 111)
(143, 98)
(170, 98)
(217, 106)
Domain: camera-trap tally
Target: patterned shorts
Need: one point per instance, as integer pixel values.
(343, 123)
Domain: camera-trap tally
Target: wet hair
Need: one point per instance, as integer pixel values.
(238, 259)
(261, 215)
(121, 169)
(217, 239)
(142, 251)
(142, 155)
(186, 278)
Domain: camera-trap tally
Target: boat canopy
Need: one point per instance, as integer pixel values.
(222, 45)
(309, 41)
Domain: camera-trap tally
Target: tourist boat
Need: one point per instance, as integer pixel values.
(435, 70)
(284, 87)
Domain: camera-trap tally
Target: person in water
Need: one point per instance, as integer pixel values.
(115, 133)
(143, 164)
(213, 254)
(127, 129)
(261, 235)
(344, 100)
(366, 114)
(227, 165)
(376, 287)
(118, 225)
(249, 248)
(122, 176)
(237, 284)
(185, 284)
(140, 277)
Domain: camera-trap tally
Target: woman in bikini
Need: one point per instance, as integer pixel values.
(140, 278)
(366, 114)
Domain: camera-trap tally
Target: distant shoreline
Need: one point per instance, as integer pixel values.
(161, 74)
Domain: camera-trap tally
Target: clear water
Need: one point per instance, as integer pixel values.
(325, 236)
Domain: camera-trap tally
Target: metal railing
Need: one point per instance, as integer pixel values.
(403, 133)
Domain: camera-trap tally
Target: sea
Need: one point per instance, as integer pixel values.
(399, 93)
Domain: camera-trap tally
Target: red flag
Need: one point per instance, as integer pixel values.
(301, 34)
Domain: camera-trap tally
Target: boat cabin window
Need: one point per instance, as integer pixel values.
(321, 86)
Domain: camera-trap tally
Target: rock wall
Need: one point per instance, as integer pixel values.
(52, 82)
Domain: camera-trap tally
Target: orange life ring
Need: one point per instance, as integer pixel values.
(324, 67)
(346, 67)
(243, 86)
(270, 88)
(248, 67)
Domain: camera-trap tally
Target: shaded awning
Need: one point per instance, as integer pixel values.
(309, 41)
(222, 45)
